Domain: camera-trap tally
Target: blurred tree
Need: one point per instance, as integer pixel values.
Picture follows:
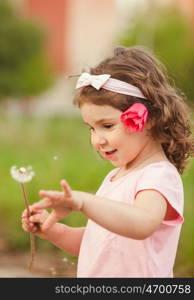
(24, 69)
(170, 36)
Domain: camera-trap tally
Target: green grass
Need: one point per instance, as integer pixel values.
(35, 142)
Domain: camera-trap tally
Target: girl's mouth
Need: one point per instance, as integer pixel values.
(109, 154)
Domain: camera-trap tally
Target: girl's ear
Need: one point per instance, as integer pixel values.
(150, 124)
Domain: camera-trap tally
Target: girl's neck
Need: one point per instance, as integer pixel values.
(151, 153)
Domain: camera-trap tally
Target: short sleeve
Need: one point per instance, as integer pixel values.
(164, 178)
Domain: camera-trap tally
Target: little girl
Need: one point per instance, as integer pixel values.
(140, 124)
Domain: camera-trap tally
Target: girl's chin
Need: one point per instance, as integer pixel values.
(117, 164)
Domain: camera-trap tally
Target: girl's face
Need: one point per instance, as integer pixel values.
(109, 136)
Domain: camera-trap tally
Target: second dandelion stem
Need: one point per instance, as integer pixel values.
(32, 237)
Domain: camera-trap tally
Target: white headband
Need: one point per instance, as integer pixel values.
(104, 81)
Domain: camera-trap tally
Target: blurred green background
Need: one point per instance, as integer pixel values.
(58, 147)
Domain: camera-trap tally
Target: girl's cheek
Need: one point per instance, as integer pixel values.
(92, 143)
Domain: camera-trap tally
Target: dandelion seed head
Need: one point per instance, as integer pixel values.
(22, 174)
(65, 259)
(22, 170)
(53, 271)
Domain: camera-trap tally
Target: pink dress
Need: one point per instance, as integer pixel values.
(106, 254)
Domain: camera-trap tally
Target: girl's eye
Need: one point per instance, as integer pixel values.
(108, 125)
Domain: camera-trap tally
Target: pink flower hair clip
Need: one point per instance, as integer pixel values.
(135, 117)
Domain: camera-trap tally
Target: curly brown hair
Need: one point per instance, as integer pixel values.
(165, 104)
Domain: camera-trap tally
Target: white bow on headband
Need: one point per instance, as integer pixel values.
(111, 84)
(97, 81)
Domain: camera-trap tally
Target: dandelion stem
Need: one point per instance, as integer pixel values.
(25, 199)
(32, 237)
(33, 250)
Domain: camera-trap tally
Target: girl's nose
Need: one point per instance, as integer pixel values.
(98, 140)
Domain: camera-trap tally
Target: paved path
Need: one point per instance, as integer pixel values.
(16, 272)
(15, 265)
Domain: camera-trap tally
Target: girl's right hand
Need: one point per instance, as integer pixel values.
(35, 221)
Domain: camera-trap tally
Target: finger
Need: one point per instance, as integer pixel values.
(42, 204)
(24, 217)
(66, 188)
(50, 221)
(25, 228)
(49, 194)
(25, 220)
(33, 229)
(32, 211)
(38, 218)
(26, 212)
(28, 227)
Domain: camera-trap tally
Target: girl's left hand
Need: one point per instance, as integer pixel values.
(62, 204)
